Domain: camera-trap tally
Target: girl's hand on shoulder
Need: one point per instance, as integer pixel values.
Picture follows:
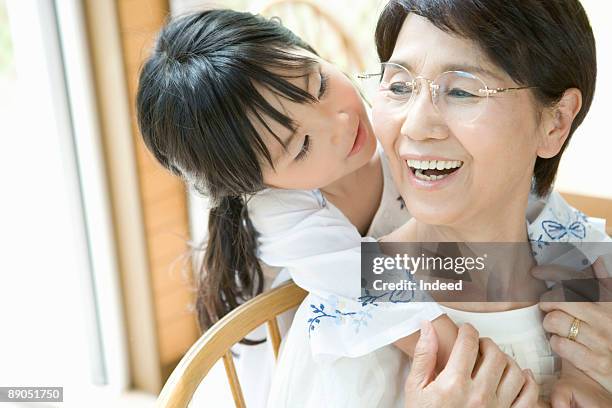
(478, 374)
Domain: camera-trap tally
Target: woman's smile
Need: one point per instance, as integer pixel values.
(431, 172)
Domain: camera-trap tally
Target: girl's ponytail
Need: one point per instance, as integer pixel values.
(230, 273)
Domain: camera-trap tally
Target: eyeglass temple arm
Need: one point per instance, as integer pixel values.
(367, 76)
(501, 90)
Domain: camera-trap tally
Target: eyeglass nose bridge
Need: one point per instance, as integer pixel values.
(434, 88)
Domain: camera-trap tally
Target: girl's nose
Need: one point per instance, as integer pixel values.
(344, 125)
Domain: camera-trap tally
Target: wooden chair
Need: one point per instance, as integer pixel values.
(318, 28)
(218, 340)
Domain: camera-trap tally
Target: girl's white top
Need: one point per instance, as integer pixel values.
(320, 250)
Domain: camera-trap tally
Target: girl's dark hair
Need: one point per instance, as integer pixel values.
(547, 44)
(197, 100)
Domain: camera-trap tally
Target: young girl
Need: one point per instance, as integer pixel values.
(280, 142)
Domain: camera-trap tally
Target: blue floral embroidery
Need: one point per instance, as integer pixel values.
(393, 296)
(540, 243)
(320, 313)
(362, 319)
(565, 224)
(555, 230)
(358, 318)
(582, 216)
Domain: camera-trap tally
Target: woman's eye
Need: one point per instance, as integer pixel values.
(459, 93)
(304, 150)
(400, 88)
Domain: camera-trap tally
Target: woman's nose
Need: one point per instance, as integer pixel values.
(421, 120)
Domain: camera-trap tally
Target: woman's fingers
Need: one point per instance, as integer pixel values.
(602, 270)
(585, 311)
(465, 351)
(424, 361)
(511, 383)
(559, 323)
(565, 394)
(557, 273)
(490, 366)
(592, 284)
(528, 397)
(561, 396)
(598, 366)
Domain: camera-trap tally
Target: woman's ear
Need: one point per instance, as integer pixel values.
(557, 122)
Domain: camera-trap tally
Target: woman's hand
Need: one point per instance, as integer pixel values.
(590, 349)
(470, 379)
(575, 389)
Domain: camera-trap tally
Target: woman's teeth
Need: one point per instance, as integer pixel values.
(434, 164)
(419, 174)
(435, 169)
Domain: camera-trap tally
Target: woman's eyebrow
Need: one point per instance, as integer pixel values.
(473, 69)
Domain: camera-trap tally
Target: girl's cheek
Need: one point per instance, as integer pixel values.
(383, 126)
(346, 91)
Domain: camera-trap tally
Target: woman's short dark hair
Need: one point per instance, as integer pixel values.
(546, 44)
(197, 99)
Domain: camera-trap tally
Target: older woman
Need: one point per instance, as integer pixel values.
(510, 83)
(498, 87)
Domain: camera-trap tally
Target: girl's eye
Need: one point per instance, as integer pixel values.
(324, 83)
(305, 149)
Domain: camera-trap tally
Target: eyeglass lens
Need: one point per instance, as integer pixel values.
(458, 96)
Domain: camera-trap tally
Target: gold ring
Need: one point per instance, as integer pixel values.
(574, 329)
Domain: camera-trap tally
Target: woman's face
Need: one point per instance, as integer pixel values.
(490, 160)
(334, 135)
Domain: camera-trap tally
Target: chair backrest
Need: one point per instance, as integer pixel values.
(216, 344)
(318, 28)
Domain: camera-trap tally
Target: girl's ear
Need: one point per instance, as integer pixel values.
(557, 122)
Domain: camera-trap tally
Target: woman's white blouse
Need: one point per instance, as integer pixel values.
(376, 379)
